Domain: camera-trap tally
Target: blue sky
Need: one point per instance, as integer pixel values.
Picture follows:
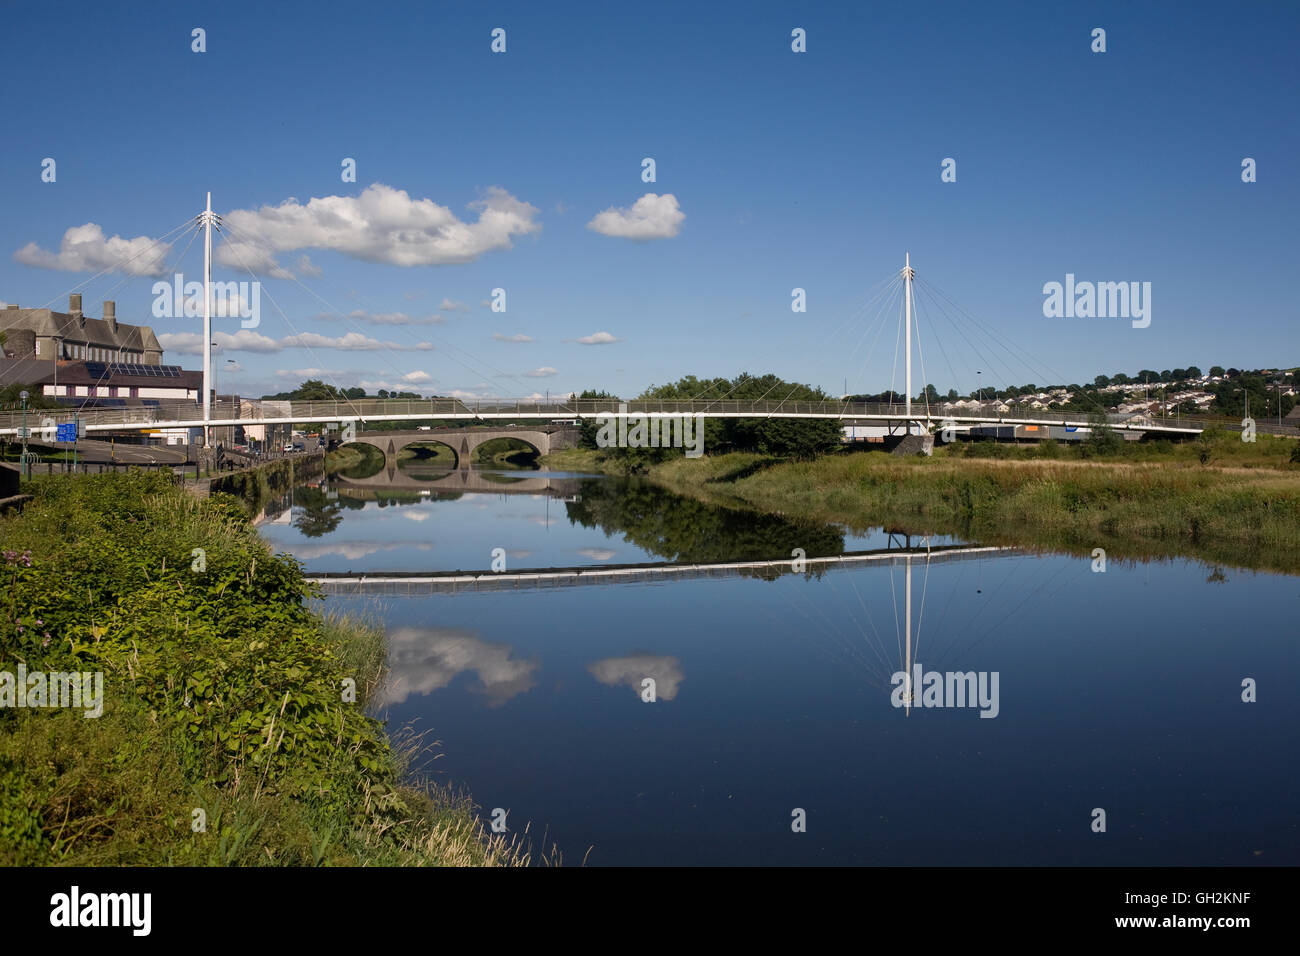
(815, 170)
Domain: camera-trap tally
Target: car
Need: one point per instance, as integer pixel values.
(287, 447)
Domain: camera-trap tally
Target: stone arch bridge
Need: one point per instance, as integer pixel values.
(465, 441)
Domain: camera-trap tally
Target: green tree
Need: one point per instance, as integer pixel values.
(1102, 439)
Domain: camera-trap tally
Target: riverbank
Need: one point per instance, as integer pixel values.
(233, 728)
(1241, 515)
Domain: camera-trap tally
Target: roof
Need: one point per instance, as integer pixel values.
(96, 332)
(42, 372)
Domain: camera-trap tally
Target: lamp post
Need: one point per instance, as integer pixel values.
(27, 465)
(979, 392)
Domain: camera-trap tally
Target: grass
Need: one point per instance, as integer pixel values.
(1241, 508)
(228, 735)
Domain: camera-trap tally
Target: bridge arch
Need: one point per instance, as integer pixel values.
(465, 441)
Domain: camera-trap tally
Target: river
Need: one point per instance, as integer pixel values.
(777, 732)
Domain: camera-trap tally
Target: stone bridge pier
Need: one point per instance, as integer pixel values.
(465, 441)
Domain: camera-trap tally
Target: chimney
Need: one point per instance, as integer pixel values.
(74, 305)
(110, 315)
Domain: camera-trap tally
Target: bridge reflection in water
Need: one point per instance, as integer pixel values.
(416, 583)
(444, 480)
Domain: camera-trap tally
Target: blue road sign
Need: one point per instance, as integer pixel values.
(67, 432)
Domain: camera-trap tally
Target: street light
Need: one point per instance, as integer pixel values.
(979, 401)
(26, 461)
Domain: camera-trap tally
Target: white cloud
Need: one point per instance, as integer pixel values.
(544, 372)
(597, 554)
(651, 217)
(84, 249)
(306, 267)
(599, 338)
(512, 338)
(245, 340)
(301, 373)
(383, 318)
(449, 305)
(382, 225)
(191, 343)
(352, 342)
(416, 377)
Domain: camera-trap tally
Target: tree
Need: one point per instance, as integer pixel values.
(1101, 381)
(1216, 371)
(1102, 439)
(1193, 372)
(589, 427)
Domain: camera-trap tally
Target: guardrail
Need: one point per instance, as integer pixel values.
(361, 410)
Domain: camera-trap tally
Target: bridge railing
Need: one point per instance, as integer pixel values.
(517, 411)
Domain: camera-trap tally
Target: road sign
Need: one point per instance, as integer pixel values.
(67, 432)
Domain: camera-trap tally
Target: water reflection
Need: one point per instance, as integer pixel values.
(1119, 689)
(422, 660)
(634, 671)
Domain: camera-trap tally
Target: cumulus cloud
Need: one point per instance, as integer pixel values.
(305, 267)
(449, 305)
(417, 377)
(352, 342)
(383, 225)
(301, 373)
(422, 660)
(599, 338)
(383, 318)
(650, 217)
(630, 671)
(512, 338)
(544, 372)
(597, 554)
(191, 343)
(245, 340)
(84, 249)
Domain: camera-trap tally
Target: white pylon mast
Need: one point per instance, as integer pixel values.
(908, 272)
(207, 322)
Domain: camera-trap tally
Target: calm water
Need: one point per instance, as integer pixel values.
(1118, 690)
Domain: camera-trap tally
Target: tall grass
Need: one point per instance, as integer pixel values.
(1245, 517)
(225, 737)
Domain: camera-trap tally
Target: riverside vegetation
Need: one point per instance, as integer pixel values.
(1217, 498)
(225, 737)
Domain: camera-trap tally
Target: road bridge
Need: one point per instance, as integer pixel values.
(539, 414)
(465, 441)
